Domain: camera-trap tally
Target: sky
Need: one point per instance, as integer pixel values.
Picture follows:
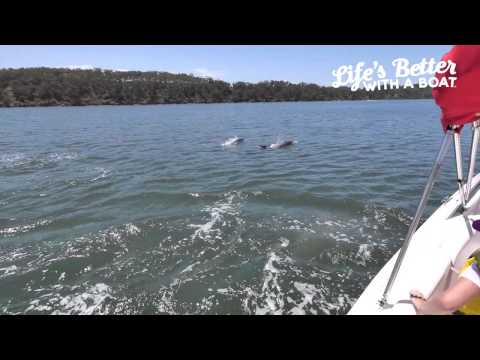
(250, 63)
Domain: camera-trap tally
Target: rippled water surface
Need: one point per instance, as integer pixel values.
(141, 210)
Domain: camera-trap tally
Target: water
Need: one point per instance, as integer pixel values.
(141, 210)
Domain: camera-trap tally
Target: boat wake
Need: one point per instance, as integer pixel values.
(30, 162)
(222, 259)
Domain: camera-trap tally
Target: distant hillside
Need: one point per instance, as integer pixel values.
(63, 87)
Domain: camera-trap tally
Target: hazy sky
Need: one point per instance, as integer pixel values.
(250, 63)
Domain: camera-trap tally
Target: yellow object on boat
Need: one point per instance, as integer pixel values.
(473, 307)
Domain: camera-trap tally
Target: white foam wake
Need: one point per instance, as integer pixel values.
(24, 228)
(91, 301)
(211, 230)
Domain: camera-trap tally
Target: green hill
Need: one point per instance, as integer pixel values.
(64, 87)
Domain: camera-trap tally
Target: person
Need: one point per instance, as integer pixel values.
(465, 289)
(462, 292)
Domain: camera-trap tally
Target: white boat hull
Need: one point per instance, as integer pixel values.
(437, 252)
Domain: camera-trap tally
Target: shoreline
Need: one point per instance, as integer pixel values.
(210, 103)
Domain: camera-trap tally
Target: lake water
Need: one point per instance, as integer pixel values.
(141, 210)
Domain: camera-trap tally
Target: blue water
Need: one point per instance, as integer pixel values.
(141, 210)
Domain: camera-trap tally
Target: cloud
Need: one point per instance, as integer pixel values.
(80, 67)
(206, 73)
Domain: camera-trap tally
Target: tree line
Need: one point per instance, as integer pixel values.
(65, 87)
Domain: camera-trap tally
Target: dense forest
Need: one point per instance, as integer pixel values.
(63, 87)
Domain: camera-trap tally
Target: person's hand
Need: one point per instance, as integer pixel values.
(418, 300)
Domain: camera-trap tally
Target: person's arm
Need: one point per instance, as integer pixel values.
(432, 306)
(447, 302)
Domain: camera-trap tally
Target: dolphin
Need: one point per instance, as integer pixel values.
(233, 141)
(278, 145)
